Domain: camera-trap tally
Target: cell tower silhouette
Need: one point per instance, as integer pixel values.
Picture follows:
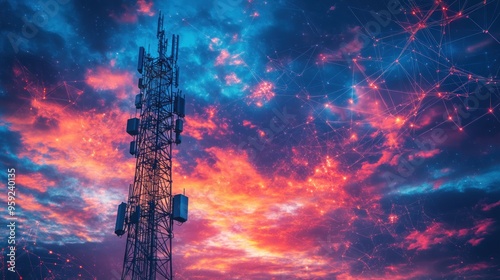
(148, 217)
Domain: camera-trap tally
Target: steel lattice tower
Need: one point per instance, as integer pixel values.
(148, 217)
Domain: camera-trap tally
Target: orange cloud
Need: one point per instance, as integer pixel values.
(82, 147)
(37, 181)
(269, 227)
(207, 123)
(84, 143)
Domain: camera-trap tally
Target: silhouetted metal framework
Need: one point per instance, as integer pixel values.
(148, 219)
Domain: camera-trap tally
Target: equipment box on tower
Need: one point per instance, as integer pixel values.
(180, 208)
(133, 126)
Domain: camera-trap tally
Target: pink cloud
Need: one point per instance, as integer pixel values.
(144, 7)
(424, 154)
(488, 207)
(232, 79)
(262, 93)
(437, 233)
(222, 57)
(121, 82)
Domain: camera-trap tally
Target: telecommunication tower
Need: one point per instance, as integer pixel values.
(148, 217)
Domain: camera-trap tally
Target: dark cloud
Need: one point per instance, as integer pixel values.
(71, 261)
(10, 142)
(45, 124)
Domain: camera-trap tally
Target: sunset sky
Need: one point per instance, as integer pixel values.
(323, 139)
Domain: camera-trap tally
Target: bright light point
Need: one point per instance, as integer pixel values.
(490, 110)
(344, 178)
(393, 218)
(461, 129)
